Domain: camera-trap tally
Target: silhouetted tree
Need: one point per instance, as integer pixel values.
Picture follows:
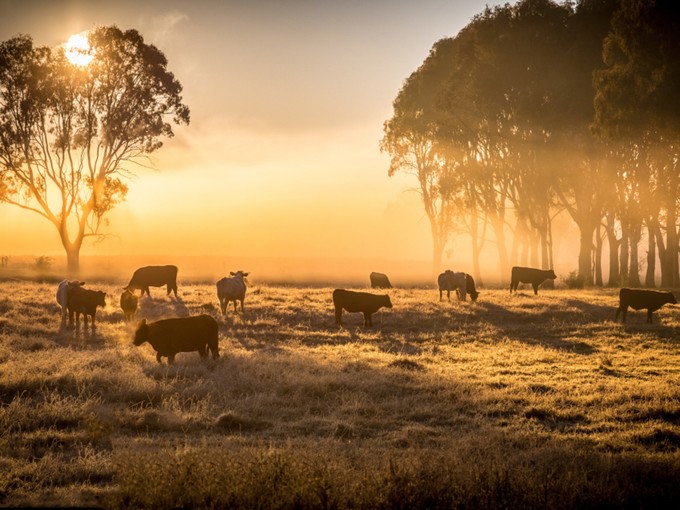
(67, 131)
(637, 103)
(410, 139)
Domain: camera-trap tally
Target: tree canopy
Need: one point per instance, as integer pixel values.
(540, 109)
(71, 134)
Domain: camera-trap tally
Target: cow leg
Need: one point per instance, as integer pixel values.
(338, 315)
(235, 306)
(203, 351)
(440, 294)
(241, 305)
(535, 286)
(367, 319)
(171, 358)
(649, 315)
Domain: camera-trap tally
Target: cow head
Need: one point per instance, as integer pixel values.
(142, 333)
(243, 275)
(100, 298)
(671, 299)
(552, 275)
(387, 301)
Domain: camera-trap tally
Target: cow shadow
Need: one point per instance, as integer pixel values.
(154, 309)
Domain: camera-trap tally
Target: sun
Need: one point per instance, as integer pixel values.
(78, 50)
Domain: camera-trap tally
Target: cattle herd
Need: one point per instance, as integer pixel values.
(200, 333)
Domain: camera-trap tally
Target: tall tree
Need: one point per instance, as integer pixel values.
(410, 139)
(69, 132)
(637, 103)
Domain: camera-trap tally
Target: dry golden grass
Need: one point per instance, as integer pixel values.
(513, 401)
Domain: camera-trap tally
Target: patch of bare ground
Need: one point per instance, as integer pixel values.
(515, 401)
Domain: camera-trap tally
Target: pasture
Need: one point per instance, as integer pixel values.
(515, 401)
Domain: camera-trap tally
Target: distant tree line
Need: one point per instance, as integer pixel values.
(539, 108)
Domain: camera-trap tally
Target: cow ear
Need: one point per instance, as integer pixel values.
(232, 273)
(246, 274)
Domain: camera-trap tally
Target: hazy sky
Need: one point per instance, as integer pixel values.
(287, 99)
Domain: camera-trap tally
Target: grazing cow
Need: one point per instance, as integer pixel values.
(128, 303)
(530, 275)
(232, 289)
(638, 299)
(85, 302)
(154, 276)
(380, 281)
(62, 296)
(186, 334)
(470, 287)
(448, 281)
(363, 302)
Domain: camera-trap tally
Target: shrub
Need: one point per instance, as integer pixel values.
(574, 281)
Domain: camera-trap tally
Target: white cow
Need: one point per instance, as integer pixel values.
(449, 281)
(62, 296)
(232, 289)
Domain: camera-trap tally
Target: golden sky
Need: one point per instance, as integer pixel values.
(287, 102)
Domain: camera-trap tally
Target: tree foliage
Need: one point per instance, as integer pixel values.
(540, 107)
(70, 135)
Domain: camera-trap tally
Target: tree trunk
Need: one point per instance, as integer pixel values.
(654, 230)
(614, 276)
(546, 259)
(73, 262)
(585, 273)
(634, 271)
(598, 257)
(72, 248)
(651, 260)
(672, 247)
(623, 255)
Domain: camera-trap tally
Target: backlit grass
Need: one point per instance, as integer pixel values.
(514, 401)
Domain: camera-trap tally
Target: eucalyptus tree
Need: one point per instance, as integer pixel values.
(637, 104)
(411, 141)
(70, 134)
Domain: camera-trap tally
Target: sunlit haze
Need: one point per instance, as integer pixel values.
(281, 157)
(78, 50)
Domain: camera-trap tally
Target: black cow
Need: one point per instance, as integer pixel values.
(448, 281)
(185, 334)
(128, 303)
(380, 281)
(638, 299)
(362, 302)
(154, 276)
(530, 275)
(470, 287)
(84, 301)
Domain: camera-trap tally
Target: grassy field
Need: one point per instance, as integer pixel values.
(515, 401)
